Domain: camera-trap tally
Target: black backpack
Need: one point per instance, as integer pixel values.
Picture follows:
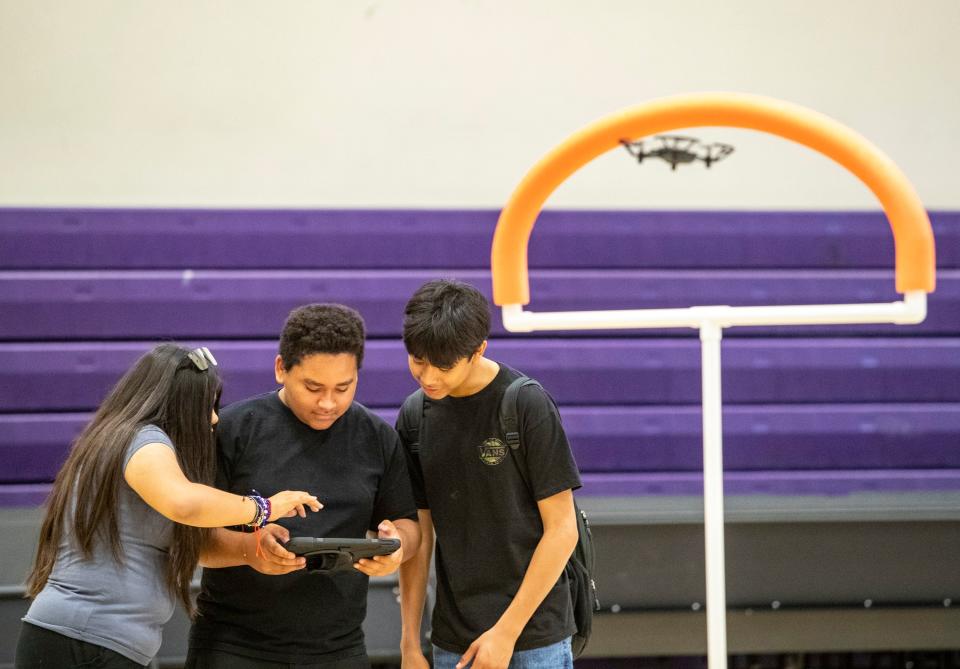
(580, 568)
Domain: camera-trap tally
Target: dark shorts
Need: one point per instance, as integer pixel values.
(40, 648)
(202, 658)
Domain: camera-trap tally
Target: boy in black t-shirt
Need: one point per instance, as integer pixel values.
(312, 432)
(503, 536)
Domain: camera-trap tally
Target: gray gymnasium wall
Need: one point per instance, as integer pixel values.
(446, 103)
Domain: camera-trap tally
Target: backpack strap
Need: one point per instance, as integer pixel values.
(412, 412)
(510, 422)
(510, 411)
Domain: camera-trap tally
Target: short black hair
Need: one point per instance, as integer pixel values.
(321, 328)
(444, 321)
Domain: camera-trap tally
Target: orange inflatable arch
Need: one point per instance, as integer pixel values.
(913, 237)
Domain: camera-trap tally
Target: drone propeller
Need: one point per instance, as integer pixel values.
(635, 149)
(716, 151)
(678, 142)
(678, 149)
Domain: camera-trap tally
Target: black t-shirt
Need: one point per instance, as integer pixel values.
(485, 514)
(357, 469)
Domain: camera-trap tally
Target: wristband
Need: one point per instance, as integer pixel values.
(262, 515)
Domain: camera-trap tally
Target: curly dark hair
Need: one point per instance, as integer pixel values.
(321, 328)
(444, 321)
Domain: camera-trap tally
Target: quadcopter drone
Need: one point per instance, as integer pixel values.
(676, 150)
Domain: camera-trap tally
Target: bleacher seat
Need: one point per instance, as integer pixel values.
(837, 435)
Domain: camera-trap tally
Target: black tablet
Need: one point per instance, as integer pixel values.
(329, 554)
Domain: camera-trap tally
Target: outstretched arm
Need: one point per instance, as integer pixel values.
(154, 473)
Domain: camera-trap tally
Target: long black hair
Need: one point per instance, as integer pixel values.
(164, 388)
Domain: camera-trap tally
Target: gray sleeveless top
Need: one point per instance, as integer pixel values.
(122, 607)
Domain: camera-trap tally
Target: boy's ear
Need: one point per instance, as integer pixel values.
(480, 350)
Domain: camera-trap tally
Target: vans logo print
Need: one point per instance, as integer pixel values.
(492, 451)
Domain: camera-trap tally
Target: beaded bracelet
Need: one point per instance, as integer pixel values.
(262, 515)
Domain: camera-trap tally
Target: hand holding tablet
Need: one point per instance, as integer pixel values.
(328, 554)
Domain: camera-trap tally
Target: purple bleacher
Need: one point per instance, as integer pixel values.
(769, 438)
(68, 376)
(247, 304)
(153, 239)
(809, 410)
(34, 446)
(23, 495)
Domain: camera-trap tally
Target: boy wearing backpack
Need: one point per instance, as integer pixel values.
(505, 525)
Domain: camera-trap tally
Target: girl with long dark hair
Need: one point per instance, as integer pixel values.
(128, 514)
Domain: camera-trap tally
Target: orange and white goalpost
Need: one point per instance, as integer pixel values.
(914, 265)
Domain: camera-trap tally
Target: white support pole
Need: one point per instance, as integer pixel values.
(912, 309)
(710, 337)
(711, 321)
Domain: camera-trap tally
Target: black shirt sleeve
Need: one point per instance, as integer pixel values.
(549, 462)
(229, 449)
(394, 496)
